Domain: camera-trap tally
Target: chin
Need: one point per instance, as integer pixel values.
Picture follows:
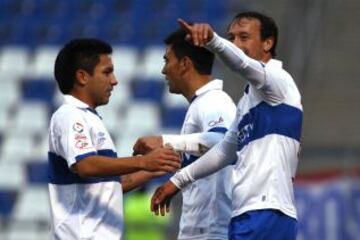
(104, 102)
(174, 91)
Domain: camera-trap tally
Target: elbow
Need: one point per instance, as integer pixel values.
(83, 169)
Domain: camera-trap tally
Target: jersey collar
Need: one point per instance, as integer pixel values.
(71, 100)
(215, 84)
(274, 63)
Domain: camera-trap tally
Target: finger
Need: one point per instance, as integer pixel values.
(175, 164)
(162, 209)
(189, 38)
(184, 25)
(172, 152)
(195, 35)
(156, 210)
(168, 206)
(168, 169)
(171, 158)
(168, 146)
(137, 147)
(200, 34)
(154, 207)
(205, 33)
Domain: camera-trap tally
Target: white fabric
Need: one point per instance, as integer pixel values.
(207, 202)
(263, 133)
(196, 143)
(253, 70)
(81, 210)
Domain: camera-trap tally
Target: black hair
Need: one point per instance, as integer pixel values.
(268, 27)
(78, 54)
(201, 58)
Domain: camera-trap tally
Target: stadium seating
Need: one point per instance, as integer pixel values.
(31, 32)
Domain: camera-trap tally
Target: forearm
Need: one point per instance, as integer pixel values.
(215, 159)
(195, 143)
(237, 60)
(135, 180)
(99, 166)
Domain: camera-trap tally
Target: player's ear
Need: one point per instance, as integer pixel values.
(268, 44)
(186, 63)
(81, 77)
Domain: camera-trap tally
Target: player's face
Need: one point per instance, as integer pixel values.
(102, 82)
(172, 71)
(245, 34)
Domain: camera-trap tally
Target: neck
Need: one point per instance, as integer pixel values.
(266, 58)
(195, 83)
(83, 97)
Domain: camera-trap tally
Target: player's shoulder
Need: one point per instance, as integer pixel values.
(216, 97)
(65, 113)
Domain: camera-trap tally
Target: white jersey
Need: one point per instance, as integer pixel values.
(81, 208)
(207, 203)
(265, 136)
(268, 144)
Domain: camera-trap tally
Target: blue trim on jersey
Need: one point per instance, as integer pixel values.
(107, 153)
(187, 161)
(246, 90)
(265, 119)
(193, 98)
(218, 129)
(94, 112)
(82, 156)
(60, 173)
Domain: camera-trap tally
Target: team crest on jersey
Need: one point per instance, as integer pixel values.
(216, 122)
(78, 127)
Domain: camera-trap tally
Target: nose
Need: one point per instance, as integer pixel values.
(113, 81)
(238, 42)
(163, 70)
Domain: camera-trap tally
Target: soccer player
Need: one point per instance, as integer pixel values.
(206, 203)
(264, 136)
(84, 186)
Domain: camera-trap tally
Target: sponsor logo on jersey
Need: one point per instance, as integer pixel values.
(101, 138)
(213, 123)
(78, 127)
(82, 144)
(244, 133)
(81, 141)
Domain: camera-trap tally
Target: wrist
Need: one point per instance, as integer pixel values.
(140, 162)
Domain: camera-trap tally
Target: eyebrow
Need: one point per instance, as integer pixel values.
(109, 69)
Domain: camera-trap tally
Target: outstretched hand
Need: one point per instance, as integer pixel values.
(146, 144)
(161, 159)
(199, 33)
(160, 201)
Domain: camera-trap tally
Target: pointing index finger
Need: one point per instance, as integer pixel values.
(184, 25)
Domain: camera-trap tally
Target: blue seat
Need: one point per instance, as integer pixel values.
(38, 90)
(173, 117)
(7, 201)
(148, 90)
(37, 172)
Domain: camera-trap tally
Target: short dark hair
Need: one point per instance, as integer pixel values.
(268, 27)
(202, 58)
(83, 53)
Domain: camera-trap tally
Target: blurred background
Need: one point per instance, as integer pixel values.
(319, 45)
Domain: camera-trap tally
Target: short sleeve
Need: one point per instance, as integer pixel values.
(74, 138)
(218, 115)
